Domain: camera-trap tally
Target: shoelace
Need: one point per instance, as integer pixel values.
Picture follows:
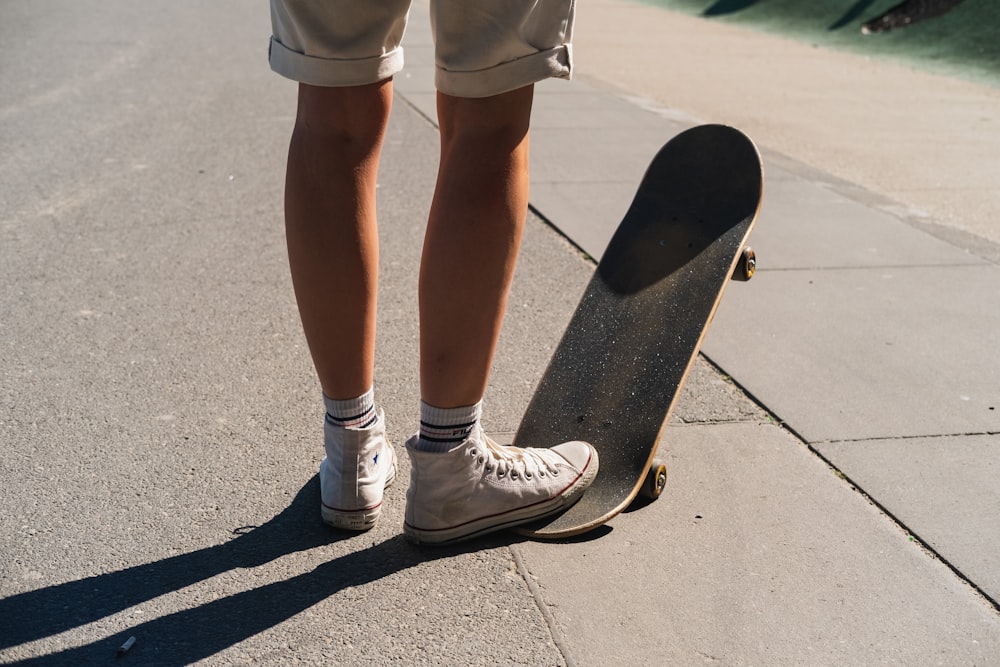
(515, 461)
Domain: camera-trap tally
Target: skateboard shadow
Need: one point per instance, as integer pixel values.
(698, 191)
(589, 536)
(657, 248)
(192, 634)
(640, 502)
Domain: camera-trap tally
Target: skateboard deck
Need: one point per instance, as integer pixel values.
(615, 376)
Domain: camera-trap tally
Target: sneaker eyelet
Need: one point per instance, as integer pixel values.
(513, 475)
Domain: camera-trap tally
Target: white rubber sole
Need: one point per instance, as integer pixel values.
(357, 520)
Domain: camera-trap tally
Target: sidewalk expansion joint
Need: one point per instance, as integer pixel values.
(926, 436)
(771, 417)
(910, 534)
(545, 220)
(899, 523)
(406, 100)
(875, 267)
(536, 594)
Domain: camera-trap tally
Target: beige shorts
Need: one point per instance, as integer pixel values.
(482, 47)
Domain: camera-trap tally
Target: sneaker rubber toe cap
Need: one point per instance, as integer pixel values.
(578, 454)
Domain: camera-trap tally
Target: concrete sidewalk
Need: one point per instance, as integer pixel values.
(870, 332)
(832, 497)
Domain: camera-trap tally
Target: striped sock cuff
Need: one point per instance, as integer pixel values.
(352, 413)
(443, 428)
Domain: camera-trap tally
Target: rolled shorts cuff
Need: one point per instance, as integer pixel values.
(556, 63)
(332, 72)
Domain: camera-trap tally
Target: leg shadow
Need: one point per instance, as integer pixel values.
(49, 611)
(190, 635)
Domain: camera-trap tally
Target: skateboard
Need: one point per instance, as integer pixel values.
(615, 376)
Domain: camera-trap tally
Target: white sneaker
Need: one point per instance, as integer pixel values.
(359, 465)
(480, 487)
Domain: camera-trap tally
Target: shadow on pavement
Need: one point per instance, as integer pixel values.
(907, 13)
(723, 7)
(193, 634)
(852, 14)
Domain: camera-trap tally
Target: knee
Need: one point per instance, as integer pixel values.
(494, 123)
(350, 120)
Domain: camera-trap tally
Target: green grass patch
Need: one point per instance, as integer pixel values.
(963, 42)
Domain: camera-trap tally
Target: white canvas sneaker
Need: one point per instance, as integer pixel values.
(480, 487)
(359, 464)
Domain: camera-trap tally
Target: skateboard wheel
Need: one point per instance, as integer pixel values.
(746, 266)
(656, 480)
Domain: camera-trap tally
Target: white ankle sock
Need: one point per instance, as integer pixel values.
(442, 429)
(352, 413)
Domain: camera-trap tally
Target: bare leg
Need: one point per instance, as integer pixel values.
(473, 237)
(330, 225)
(461, 483)
(333, 252)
